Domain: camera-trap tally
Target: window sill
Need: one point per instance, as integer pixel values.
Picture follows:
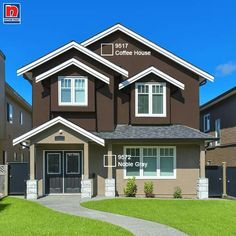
(150, 115)
(72, 105)
(150, 177)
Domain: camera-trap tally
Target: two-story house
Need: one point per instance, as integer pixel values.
(218, 118)
(110, 108)
(15, 120)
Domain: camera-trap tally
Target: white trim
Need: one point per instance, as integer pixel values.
(54, 173)
(79, 158)
(155, 71)
(150, 114)
(119, 27)
(217, 122)
(65, 48)
(68, 63)
(53, 122)
(158, 176)
(73, 103)
(205, 128)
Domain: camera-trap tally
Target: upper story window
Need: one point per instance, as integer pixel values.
(73, 90)
(9, 113)
(217, 131)
(150, 99)
(206, 123)
(21, 117)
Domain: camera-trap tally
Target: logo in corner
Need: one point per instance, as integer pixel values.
(11, 13)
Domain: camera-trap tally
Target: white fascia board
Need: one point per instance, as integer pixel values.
(154, 71)
(150, 44)
(65, 48)
(68, 63)
(53, 122)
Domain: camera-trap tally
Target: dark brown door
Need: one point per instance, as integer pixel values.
(53, 172)
(72, 172)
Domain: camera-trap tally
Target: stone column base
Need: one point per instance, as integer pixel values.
(32, 189)
(202, 188)
(86, 188)
(110, 187)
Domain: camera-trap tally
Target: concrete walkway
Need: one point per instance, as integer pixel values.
(71, 205)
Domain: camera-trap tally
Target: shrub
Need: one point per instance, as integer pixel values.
(148, 189)
(177, 193)
(131, 188)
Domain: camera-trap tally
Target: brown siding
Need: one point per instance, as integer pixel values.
(224, 110)
(181, 101)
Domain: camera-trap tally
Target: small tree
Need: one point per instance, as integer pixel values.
(177, 192)
(131, 188)
(148, 189)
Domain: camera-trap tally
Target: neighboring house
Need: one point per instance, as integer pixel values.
(15, 119)
(115, 94)
(218, 118)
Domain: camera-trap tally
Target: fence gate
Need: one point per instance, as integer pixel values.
(18, 174)
(215, 178)
(231, 181)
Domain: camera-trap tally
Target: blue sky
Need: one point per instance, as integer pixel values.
(201, 32)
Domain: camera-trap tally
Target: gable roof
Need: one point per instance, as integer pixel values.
(65, 48)
(218, 99)
(53, 122)
(119, 27)
(68, 63)
(155, 71)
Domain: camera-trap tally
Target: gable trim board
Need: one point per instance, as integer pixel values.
(65, 48)
(68, 63)
(155, 71)
(119, 27)
(53, 122)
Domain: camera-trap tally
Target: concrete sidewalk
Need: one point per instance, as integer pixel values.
(71, 204)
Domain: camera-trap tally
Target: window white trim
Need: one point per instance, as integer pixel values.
(21, 118)
(150, 113)
(78, 155)
(59, 155)
(206, 123)
(217, 123)
(158, 176)
(73, 103)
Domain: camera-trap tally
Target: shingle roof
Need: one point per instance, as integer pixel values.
(154, 132)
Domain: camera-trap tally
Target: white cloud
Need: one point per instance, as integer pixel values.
(226, 69)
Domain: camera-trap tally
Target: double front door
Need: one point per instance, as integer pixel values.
(63, 171)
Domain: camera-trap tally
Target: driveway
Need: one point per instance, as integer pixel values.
(71, 204)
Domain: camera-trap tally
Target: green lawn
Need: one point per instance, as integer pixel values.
(21, 217)
(194, 217)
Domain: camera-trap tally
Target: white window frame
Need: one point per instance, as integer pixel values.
(217, 142)
(150, 113)
(206, 122)
(158, 176)
(21, 118)
(73, 173)
(10, 112)
(73, 103)
(54, 173)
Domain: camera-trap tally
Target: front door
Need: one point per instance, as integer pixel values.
(63, 172)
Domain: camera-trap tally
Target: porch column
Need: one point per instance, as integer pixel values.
(110, 181)
(86, 183)
(202, 182)
(32, 183)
